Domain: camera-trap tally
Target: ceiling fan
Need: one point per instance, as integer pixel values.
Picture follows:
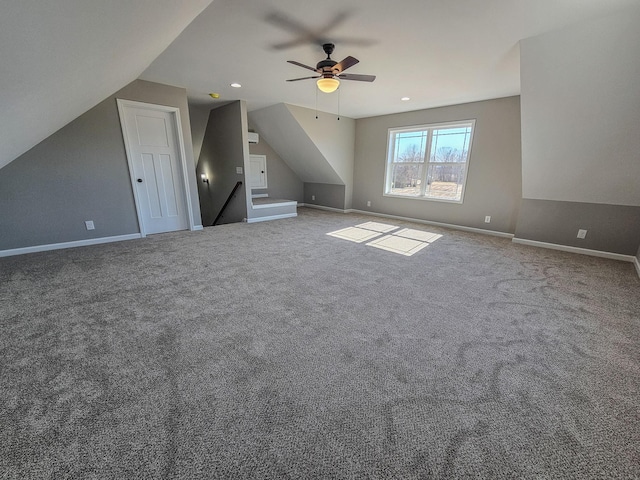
(330, 72)
(316, 34)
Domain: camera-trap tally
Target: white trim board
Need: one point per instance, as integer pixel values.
(76, 243)
(582, 251)
(291, 203)
(437, 224)
(271, 217)
(636, 262)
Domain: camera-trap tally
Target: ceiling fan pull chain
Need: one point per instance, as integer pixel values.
(338, 103)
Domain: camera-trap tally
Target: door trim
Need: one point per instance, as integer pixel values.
(263, 159)
(177, 123)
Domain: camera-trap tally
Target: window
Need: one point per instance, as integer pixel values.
(429, 161)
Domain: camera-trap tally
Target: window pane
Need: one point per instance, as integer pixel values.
(445, 181)
(405, 179)
(429, 161)
(410, 146)
(450, 144)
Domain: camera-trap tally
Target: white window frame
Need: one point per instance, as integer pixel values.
(419, 128)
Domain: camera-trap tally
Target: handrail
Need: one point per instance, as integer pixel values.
(227, 202)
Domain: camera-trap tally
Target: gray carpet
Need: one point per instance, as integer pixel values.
(272, 350)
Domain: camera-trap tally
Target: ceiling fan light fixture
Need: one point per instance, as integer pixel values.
(328, 85)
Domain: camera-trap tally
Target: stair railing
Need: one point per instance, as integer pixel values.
(227, 202)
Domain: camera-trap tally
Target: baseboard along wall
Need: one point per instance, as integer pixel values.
(76, 243)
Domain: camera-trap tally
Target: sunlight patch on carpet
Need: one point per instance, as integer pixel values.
(405, 241)
(354, 234)
(403, 246)
(418, 235)
(377, 227)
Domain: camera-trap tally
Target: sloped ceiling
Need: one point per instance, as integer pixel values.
(287, 136)
(60, 58)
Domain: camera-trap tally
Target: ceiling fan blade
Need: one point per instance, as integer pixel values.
(346, 63)
(291, 43)
(355, 76)
(304, 34)
(302, 65)
(286, 22)
(303, 78)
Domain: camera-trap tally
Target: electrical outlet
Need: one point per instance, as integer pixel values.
(368, 203)
(89, 224)
(487, 219)
(582, 233)
(239, 170)
(313, 197)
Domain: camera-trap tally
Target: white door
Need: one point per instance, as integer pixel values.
(257, 171)
(154, 162)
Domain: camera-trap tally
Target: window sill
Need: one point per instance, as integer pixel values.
(428, 199)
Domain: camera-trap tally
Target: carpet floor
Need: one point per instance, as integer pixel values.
(274, 350)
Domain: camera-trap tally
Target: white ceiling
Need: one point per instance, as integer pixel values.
(60, 58)
(437, 52)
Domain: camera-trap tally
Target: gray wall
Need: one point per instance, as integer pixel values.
(223, 150)
(326, 194)
(199, 116)
(282, 182)
(80, 173)
(610, 228)
(580, 144)
(494, 177)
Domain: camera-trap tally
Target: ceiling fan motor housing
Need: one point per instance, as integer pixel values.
(325, 67)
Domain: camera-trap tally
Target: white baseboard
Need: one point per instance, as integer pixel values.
(582, 251)
(271, 217)
(636, 262)
(322, 207)
(197, 227)
(77, 243)
(437, 224)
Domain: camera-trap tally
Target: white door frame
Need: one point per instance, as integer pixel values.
(175, 115)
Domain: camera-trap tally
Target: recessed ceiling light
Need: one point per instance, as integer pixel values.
(236, 85)
(405, 99)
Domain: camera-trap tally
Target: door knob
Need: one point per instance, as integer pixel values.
(139, 180)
